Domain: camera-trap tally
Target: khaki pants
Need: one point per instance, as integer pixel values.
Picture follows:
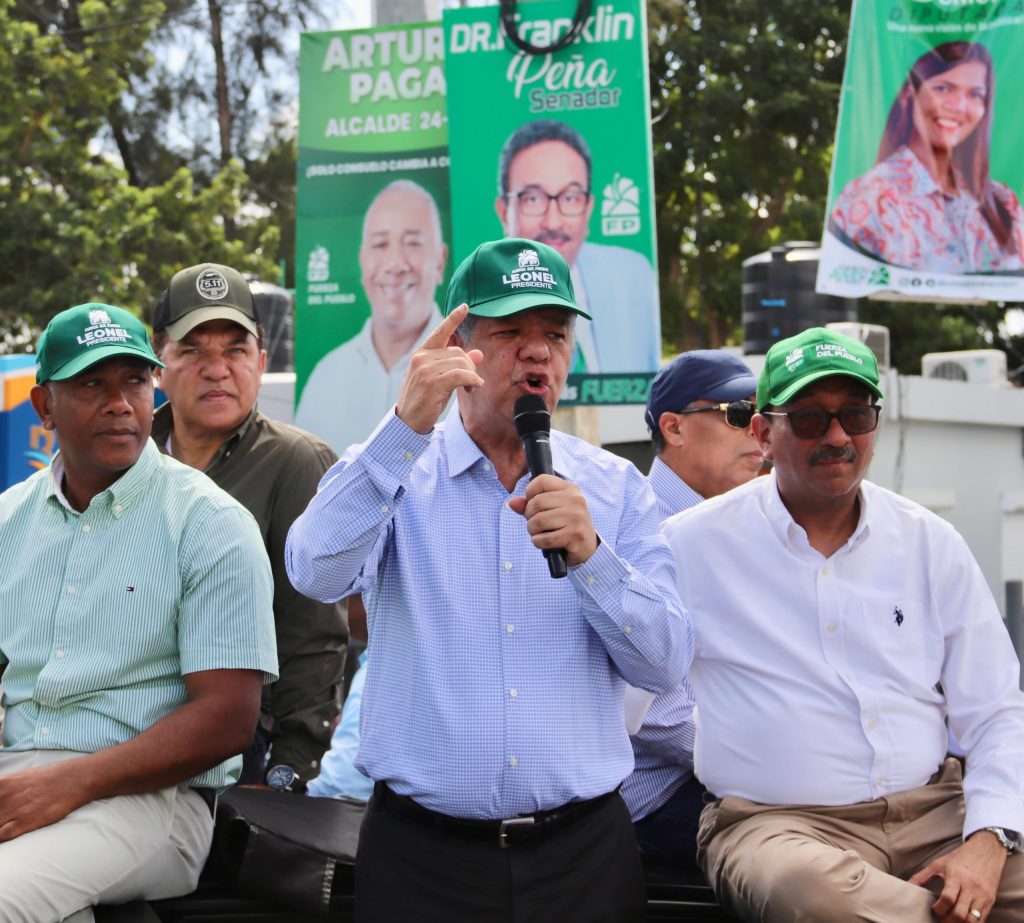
(109, 851)
(847, 863)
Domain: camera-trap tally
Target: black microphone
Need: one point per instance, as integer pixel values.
(533, 423)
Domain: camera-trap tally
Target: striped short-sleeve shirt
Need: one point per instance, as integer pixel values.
(103, 612)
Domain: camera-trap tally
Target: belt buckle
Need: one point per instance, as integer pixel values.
(506, 825)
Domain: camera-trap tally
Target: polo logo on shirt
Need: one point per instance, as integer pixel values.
(898, 612)
(131, 589)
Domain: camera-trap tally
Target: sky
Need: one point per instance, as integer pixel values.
(348, 14)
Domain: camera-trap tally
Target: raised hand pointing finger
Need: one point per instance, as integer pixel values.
(436, 369)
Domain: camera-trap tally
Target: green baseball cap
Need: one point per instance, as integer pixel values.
(78, 338)
(502, 277)
(792, 364)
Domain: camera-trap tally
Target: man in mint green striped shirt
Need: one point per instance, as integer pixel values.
(136, 631)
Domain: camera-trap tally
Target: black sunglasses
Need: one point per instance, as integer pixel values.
(855, 419)
(738, 414)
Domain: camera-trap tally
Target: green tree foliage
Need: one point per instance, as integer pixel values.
(235, 96)
(119, 162)
(73, 228)
(744, 98)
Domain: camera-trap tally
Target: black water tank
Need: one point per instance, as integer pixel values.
(779, 298)
(275, 306)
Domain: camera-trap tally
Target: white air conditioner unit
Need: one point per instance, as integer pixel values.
(977, 366)
(874, 336)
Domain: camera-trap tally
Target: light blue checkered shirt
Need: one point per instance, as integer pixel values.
(663, 747)
(494, 689)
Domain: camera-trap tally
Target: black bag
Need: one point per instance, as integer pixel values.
(284, 847)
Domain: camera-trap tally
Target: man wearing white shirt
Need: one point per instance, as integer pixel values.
(837, 625)
(401, 260)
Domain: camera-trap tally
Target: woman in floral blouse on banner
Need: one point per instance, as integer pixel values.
(929, 203)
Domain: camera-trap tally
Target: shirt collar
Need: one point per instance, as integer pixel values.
(123, 492)
(922, 182)
(363, 342)
(231, 443)
(461, 452)
(56, 489)
(163, 432)
(786, 528)
(671, 488)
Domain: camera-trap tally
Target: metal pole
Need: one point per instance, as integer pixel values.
(1015, 616)
(388, 12)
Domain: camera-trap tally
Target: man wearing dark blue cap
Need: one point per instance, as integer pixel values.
(699, 413)
(492, 713)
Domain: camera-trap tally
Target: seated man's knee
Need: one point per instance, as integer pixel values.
(789, 877)
(820, 883)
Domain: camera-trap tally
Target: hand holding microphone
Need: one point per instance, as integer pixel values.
(556, 512)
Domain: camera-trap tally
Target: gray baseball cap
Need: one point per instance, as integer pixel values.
(203, 293)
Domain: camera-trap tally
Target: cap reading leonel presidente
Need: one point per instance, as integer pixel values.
(502, 277)
(80, 337)
(792, 364)
(203, 293)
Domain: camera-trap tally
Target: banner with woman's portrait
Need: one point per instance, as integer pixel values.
(927, 179)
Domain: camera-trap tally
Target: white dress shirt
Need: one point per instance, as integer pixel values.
(583, 330)
(818, 679)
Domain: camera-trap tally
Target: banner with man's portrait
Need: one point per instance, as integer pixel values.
(372, 258)
(556, 147)
(924, 198)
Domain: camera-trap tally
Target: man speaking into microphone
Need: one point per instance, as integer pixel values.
(492, 712)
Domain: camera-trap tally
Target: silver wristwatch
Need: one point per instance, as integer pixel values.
(1010, 840)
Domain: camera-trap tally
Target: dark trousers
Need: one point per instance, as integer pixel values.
(408, 869)
(668, 836)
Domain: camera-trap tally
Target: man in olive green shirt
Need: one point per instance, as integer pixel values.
(207, 332)
(135, 633)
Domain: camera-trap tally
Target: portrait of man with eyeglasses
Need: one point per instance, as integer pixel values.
(545, 174)
(838, 627)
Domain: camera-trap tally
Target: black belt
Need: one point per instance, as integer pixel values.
(527, 828)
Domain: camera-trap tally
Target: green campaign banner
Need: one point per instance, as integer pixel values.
(372, 220)
(924, 196)
(556, 147)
